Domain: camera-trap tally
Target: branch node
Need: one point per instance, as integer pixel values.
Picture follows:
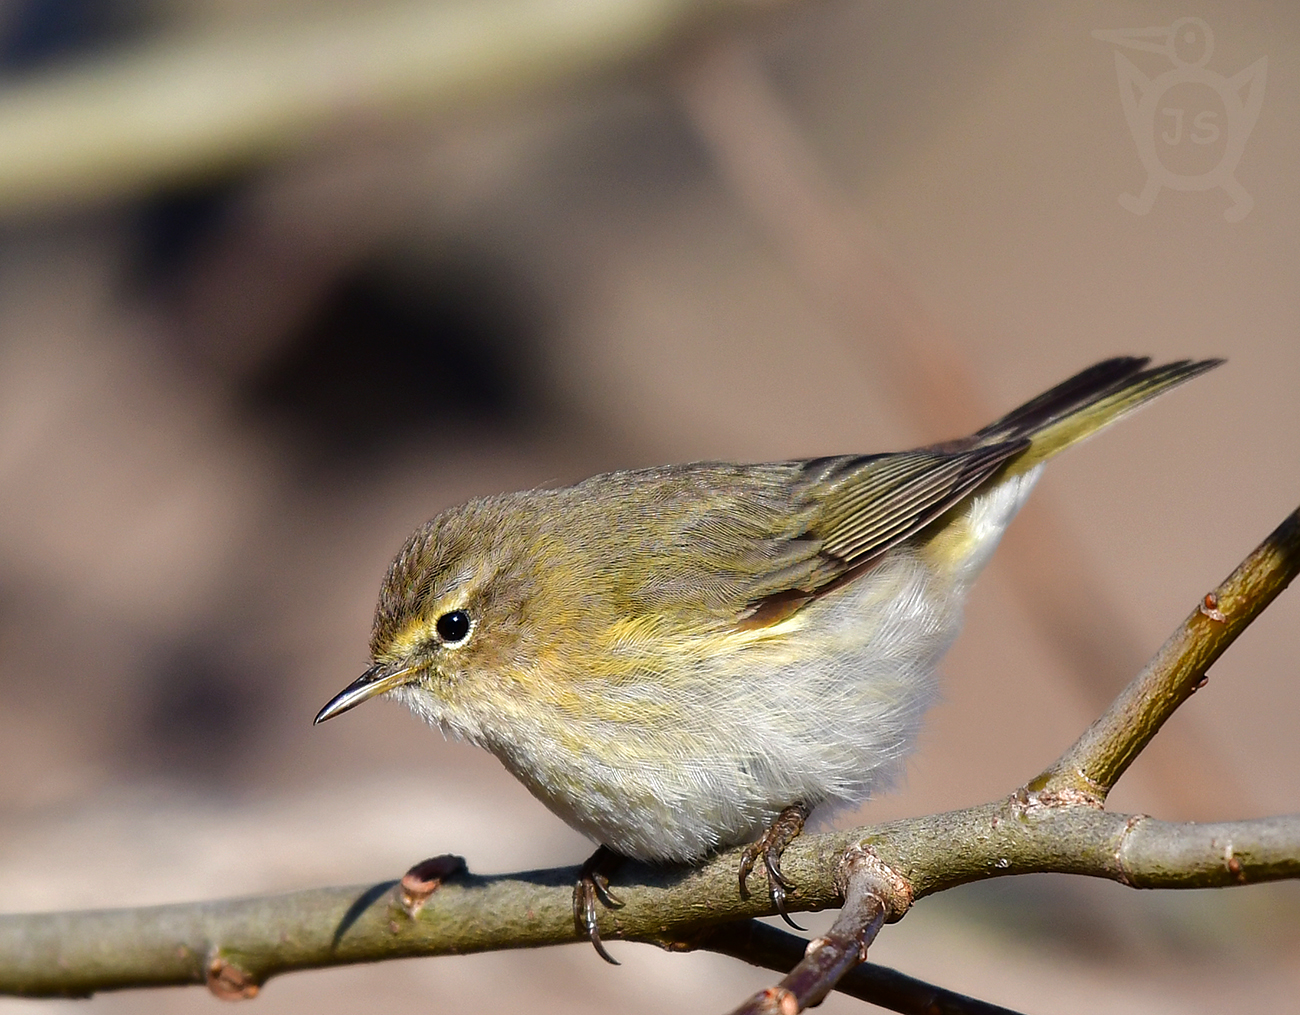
(1121, 845)
(1233, 864)
(420, 882)
(860, 863)
(1059, 796)
(1210, 608)
(778, 1001)
(815, 945)
(230, 982)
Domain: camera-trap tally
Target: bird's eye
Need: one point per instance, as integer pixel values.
(453, 627)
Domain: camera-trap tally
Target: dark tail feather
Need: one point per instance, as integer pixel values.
(1065, 396)
(1113, 386)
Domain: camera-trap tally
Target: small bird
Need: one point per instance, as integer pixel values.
(681, 659)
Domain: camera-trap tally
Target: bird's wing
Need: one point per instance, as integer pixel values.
(739, 542)
(854, 508)
(753, 543)
(851, 509)
(865, 505)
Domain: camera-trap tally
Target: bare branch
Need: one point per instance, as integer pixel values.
(1099, 757)
(867, 887)
(77, 953)
(1054, 825)
(763, 945)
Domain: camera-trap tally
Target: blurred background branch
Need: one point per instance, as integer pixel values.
(183, 109)
(845, 262)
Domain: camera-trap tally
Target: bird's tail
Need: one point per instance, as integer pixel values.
(1087, 402)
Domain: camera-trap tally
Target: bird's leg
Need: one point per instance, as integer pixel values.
(770, 845)
(591, 888)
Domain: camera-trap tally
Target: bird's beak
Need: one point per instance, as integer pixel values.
(376, 680)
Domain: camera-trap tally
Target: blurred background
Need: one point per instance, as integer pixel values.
(281, 280)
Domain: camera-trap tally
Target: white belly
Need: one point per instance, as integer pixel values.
(821, 712)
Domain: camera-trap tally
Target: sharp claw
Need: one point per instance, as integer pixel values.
(592, 889)
(786, 917)
(747, 859)
(773, 865)
(584, 917)
(601, 885)
(770, 846)
(778, 900)
(600, 950)
(593, 931)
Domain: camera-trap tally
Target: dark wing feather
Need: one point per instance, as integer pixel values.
(867, 509)
(859, 506)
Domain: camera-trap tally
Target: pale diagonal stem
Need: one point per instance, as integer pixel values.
(1098, 758)
(180, 109)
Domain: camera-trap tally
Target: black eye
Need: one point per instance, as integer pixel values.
(453, 627)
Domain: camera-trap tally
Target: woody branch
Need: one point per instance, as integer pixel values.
(1054, 824)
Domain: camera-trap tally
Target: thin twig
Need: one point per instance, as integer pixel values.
(831, 956)
(1098, 758)
(763, 945)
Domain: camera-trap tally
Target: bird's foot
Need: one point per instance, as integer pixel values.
(591, 888)
(770, 845)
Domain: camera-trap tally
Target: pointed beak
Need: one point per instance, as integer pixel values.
(376, 680)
